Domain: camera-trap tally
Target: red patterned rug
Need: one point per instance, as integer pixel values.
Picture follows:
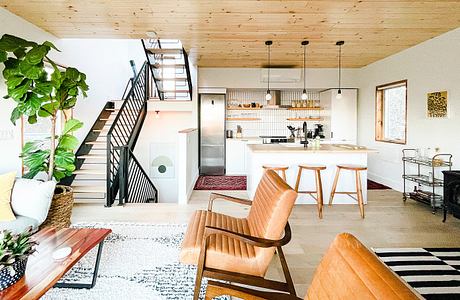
(372, 185)
(219, 183)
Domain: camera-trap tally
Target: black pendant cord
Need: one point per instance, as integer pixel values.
(304, 66)
(340, 44)
(340, 66)
(269, 66)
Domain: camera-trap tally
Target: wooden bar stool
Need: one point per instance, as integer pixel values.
(319, 186)
(359, 190)
(277, 168)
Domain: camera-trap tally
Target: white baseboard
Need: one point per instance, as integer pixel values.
(390, 182)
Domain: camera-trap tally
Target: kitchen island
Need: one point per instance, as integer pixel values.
(294, 154)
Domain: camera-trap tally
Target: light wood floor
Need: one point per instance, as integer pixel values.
(388, 223)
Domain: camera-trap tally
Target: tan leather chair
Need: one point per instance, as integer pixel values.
(348, 270)
(241, 249)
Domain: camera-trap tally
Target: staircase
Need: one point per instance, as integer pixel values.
(169, 65)
(106, 167)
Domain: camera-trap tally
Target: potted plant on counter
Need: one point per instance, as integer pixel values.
(14, 253)
(41, 89)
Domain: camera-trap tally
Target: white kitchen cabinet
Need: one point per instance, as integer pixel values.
(341, 115)
(235, 155)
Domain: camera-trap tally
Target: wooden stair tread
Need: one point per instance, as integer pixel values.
(88, 189)
(92, 156)
(175, 91)
(96, 143)
(89, 172)
(165, 50)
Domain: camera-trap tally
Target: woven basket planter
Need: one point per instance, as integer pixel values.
(61, 208)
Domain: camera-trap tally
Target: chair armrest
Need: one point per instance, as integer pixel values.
(215, 196)
(248, 239)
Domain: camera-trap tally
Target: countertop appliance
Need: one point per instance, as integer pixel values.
(274, 139)
(212, 134)
(319, 131)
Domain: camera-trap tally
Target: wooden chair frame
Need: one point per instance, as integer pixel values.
(257, 281)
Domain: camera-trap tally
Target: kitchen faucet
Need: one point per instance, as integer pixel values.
(305, 131)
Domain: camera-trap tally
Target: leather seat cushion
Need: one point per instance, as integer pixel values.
(223, 253)
(349, 270)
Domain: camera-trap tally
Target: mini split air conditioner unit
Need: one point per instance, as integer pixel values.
(281, 75)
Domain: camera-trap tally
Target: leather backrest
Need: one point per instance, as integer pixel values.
(349, 270)
(271, 207)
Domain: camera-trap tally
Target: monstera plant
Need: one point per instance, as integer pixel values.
(40, 89)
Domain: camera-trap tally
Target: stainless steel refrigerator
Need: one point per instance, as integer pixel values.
(212, 134)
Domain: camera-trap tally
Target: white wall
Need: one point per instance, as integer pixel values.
(164, 129)
(250, 78)
(10, 135)
(431, 66)
(187, 163)
(106, 64)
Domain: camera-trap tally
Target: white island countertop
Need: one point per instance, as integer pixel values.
(324, 148)
(291, 155)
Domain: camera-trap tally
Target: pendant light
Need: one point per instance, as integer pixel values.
(339, 92)
(304, 91)
(268, 96)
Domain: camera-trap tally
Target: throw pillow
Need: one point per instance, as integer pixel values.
(32, 198)
(6, 185)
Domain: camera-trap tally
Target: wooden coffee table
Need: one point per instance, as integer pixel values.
(43, 272)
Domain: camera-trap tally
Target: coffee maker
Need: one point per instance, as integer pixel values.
(319, 131)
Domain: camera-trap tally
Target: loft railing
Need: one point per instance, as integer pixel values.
(124, 133)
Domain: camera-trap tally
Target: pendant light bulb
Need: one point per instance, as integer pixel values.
(339, 94)
(268, 96)
(304, 95)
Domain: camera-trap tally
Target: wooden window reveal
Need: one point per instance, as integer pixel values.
(391, 112)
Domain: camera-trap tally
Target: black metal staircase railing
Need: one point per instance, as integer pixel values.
(121, 140)
(135, 184)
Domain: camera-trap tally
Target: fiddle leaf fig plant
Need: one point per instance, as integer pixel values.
(40, 89)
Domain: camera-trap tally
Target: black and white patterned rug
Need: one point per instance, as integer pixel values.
(139, 261)
(433, 272)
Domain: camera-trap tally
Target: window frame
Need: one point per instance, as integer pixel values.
(380, 112)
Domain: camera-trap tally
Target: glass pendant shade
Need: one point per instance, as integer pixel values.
(268, 96)
(304, 95)
(339, 94)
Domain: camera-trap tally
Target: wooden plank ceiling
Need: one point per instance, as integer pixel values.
(231, 33)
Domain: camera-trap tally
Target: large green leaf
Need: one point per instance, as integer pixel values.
(63, 159)
(68, 142)
(51, 45)
(36, 55)
(31, 146)
(3, 56)
(43, 88)
(71, 126)
(18, 92)
(32, 104)
(31, 71)
(15, 115)
(10, 43)
(20, 52)
(14, 81)
(50, 107)
(72, 74)
(32, 119)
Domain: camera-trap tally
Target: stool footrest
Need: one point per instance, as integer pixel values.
(346, 193)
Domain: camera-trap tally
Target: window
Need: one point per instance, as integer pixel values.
(390, 112)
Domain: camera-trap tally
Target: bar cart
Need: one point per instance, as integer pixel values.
(428, 196)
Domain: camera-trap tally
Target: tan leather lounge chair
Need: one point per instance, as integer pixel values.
(348, 270)
(240, 249)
